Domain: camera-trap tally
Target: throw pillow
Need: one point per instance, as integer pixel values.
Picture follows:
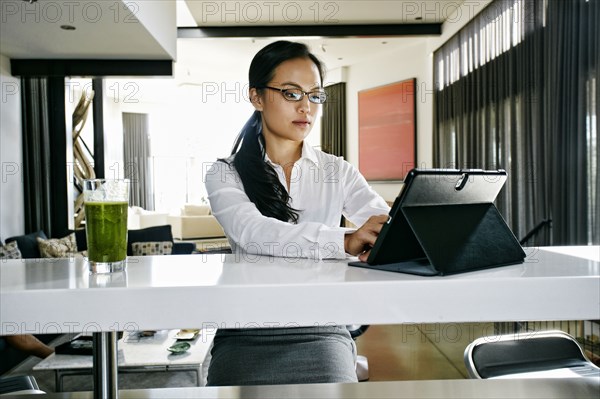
(196, 210)
(58, 247)
(10, 251)
(152, 248)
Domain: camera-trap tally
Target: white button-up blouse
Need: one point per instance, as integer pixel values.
(323, 187)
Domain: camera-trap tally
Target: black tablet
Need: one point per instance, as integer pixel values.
(443, 222)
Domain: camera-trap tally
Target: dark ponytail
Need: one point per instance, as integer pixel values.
(260, 180)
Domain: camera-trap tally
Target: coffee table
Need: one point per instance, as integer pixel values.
(137, 354)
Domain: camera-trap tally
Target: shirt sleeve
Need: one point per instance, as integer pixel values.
(255, 233)
(360, 200)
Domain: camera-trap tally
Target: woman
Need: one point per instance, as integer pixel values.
(275, 195)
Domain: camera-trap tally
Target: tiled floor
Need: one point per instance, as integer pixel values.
(419, 351)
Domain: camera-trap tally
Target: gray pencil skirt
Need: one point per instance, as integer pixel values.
(282, 356)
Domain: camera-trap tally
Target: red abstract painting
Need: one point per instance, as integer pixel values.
(387, 131)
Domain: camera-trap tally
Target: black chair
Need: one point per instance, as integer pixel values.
(528, 354)
(19, 385)
(531, 234)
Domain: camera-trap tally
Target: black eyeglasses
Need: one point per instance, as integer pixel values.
(316, 96)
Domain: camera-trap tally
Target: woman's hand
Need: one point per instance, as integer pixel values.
(362, 240)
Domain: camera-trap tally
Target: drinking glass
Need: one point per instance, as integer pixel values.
(105, 203)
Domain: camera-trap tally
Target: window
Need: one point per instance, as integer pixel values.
(516, 89)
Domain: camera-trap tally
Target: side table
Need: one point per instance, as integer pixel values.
(137, 354)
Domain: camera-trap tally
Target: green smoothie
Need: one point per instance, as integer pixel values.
(106, 230)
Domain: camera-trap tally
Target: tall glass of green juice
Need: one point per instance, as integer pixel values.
(106, 203)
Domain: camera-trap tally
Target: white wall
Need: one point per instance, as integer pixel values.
(409, 61)
(412, 60)
(12, 215)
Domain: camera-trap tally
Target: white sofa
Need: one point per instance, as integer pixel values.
(195, 222)
(139, 218)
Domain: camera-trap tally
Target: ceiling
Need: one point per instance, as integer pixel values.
(125, 29)
(147, 30)
(334, 51)
(198, 57)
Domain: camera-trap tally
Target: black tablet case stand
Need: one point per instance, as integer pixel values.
(438, 232)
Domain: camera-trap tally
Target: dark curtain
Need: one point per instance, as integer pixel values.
(44, 156)
(333, 126)
(136, 155)
(571, 105)
(513, 92)
(98, 121)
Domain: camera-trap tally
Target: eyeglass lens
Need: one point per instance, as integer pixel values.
(317, 97)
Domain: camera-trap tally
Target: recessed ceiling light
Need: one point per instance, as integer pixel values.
(67, 27)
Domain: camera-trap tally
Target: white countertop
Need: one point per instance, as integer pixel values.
(216, 291)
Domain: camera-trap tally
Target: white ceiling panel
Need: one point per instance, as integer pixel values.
(95, 29)
(306, 12)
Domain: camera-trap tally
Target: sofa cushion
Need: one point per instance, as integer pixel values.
(28, 244)
(152, 248)
(183, 248)
(139, 218)
(10, 251)
(57, 247)
(149, 234)
(196, 210)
